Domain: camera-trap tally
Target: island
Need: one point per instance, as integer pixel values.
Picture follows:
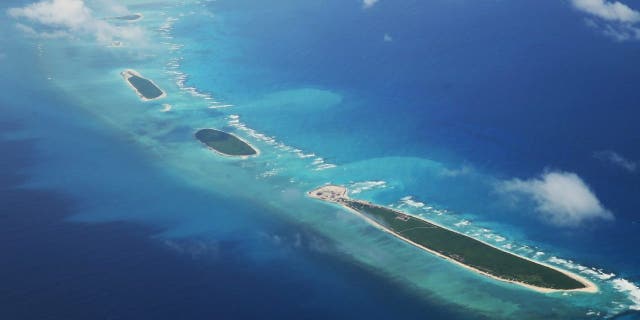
(130, 17)
(458, 248)
(145, 88)
(225, 143)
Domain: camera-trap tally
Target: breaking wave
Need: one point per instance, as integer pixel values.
(358, 187)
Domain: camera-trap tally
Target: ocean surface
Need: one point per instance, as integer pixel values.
(111, 209)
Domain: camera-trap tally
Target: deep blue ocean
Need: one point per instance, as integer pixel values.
(111, 210)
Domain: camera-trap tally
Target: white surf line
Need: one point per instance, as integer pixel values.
(172, 67)
(318, 163)
(604, 278)
(362, 186)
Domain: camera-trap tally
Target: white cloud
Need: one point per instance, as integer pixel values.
(110, 7)
(621, 32)
(616, 159)
(387, 37)
(65, 13)
(464, 170)
(607, 10)
(615, 19)
(562, 198)
(369, 3)
(56, 34)
(74, 18)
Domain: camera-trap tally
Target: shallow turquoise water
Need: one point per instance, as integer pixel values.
(218, 64)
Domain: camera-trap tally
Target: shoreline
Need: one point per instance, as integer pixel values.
(590, 287)
(230, 155)
(126, 74)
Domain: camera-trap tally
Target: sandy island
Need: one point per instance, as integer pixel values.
(129, 73)
(256, 150)
(130, 17)
(339, 194)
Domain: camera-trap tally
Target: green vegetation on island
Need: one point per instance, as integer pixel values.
(466, 250)
(145, 87)
(225, 143)
(129, 17)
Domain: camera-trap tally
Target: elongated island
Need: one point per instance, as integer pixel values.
(459, 248)
(129, 17)
(225, 143)
(145, 88)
